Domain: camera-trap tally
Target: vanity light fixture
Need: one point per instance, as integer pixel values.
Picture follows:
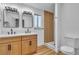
(7, 8)
(25, 12)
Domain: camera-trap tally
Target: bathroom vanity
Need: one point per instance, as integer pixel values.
(19, 44)
(13, 43)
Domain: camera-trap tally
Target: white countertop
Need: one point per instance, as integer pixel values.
(13, 35)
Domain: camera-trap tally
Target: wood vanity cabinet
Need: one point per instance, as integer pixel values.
(29, 44)
(10, 46)
(18, 45)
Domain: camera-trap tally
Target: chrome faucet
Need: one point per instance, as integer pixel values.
(11, 31)
(28, 31)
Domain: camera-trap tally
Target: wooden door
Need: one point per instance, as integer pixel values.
(4, 49)
(15, 48)
(48, 26)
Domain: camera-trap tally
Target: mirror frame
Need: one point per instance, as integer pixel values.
(23, 21)
(4, 18)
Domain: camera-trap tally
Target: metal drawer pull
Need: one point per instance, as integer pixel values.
(30, 43)
(9, 47)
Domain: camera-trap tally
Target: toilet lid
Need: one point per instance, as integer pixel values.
(67, 49)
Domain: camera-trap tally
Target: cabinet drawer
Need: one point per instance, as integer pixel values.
(10, 39)
(25, 37)
(33, 36)
(29, 37)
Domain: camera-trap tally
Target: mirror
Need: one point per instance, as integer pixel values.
(10, 17)
(27, 20)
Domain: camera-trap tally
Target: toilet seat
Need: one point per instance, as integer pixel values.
(67, 50)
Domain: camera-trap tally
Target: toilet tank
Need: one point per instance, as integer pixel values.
(71, 40)
(68, 42)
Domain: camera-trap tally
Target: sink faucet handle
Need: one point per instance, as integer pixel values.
(27, 30)
(8, 33)
(11, 29)
(14, 32)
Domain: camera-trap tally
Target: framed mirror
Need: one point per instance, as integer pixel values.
(10, 17)
(27, 20)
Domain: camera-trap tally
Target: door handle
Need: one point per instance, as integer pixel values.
(9, 47)
(30, 43)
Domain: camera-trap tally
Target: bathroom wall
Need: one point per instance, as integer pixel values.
(58, 27)
(0, 20)
(70, 20)
(40, 32)
(45, 6)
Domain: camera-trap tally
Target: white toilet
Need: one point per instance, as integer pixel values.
(67, 50)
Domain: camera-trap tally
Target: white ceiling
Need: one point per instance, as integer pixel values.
(43, 6)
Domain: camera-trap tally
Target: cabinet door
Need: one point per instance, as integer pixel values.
(15, 48)
(4, 49)
(25, 47)
(32, 45)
